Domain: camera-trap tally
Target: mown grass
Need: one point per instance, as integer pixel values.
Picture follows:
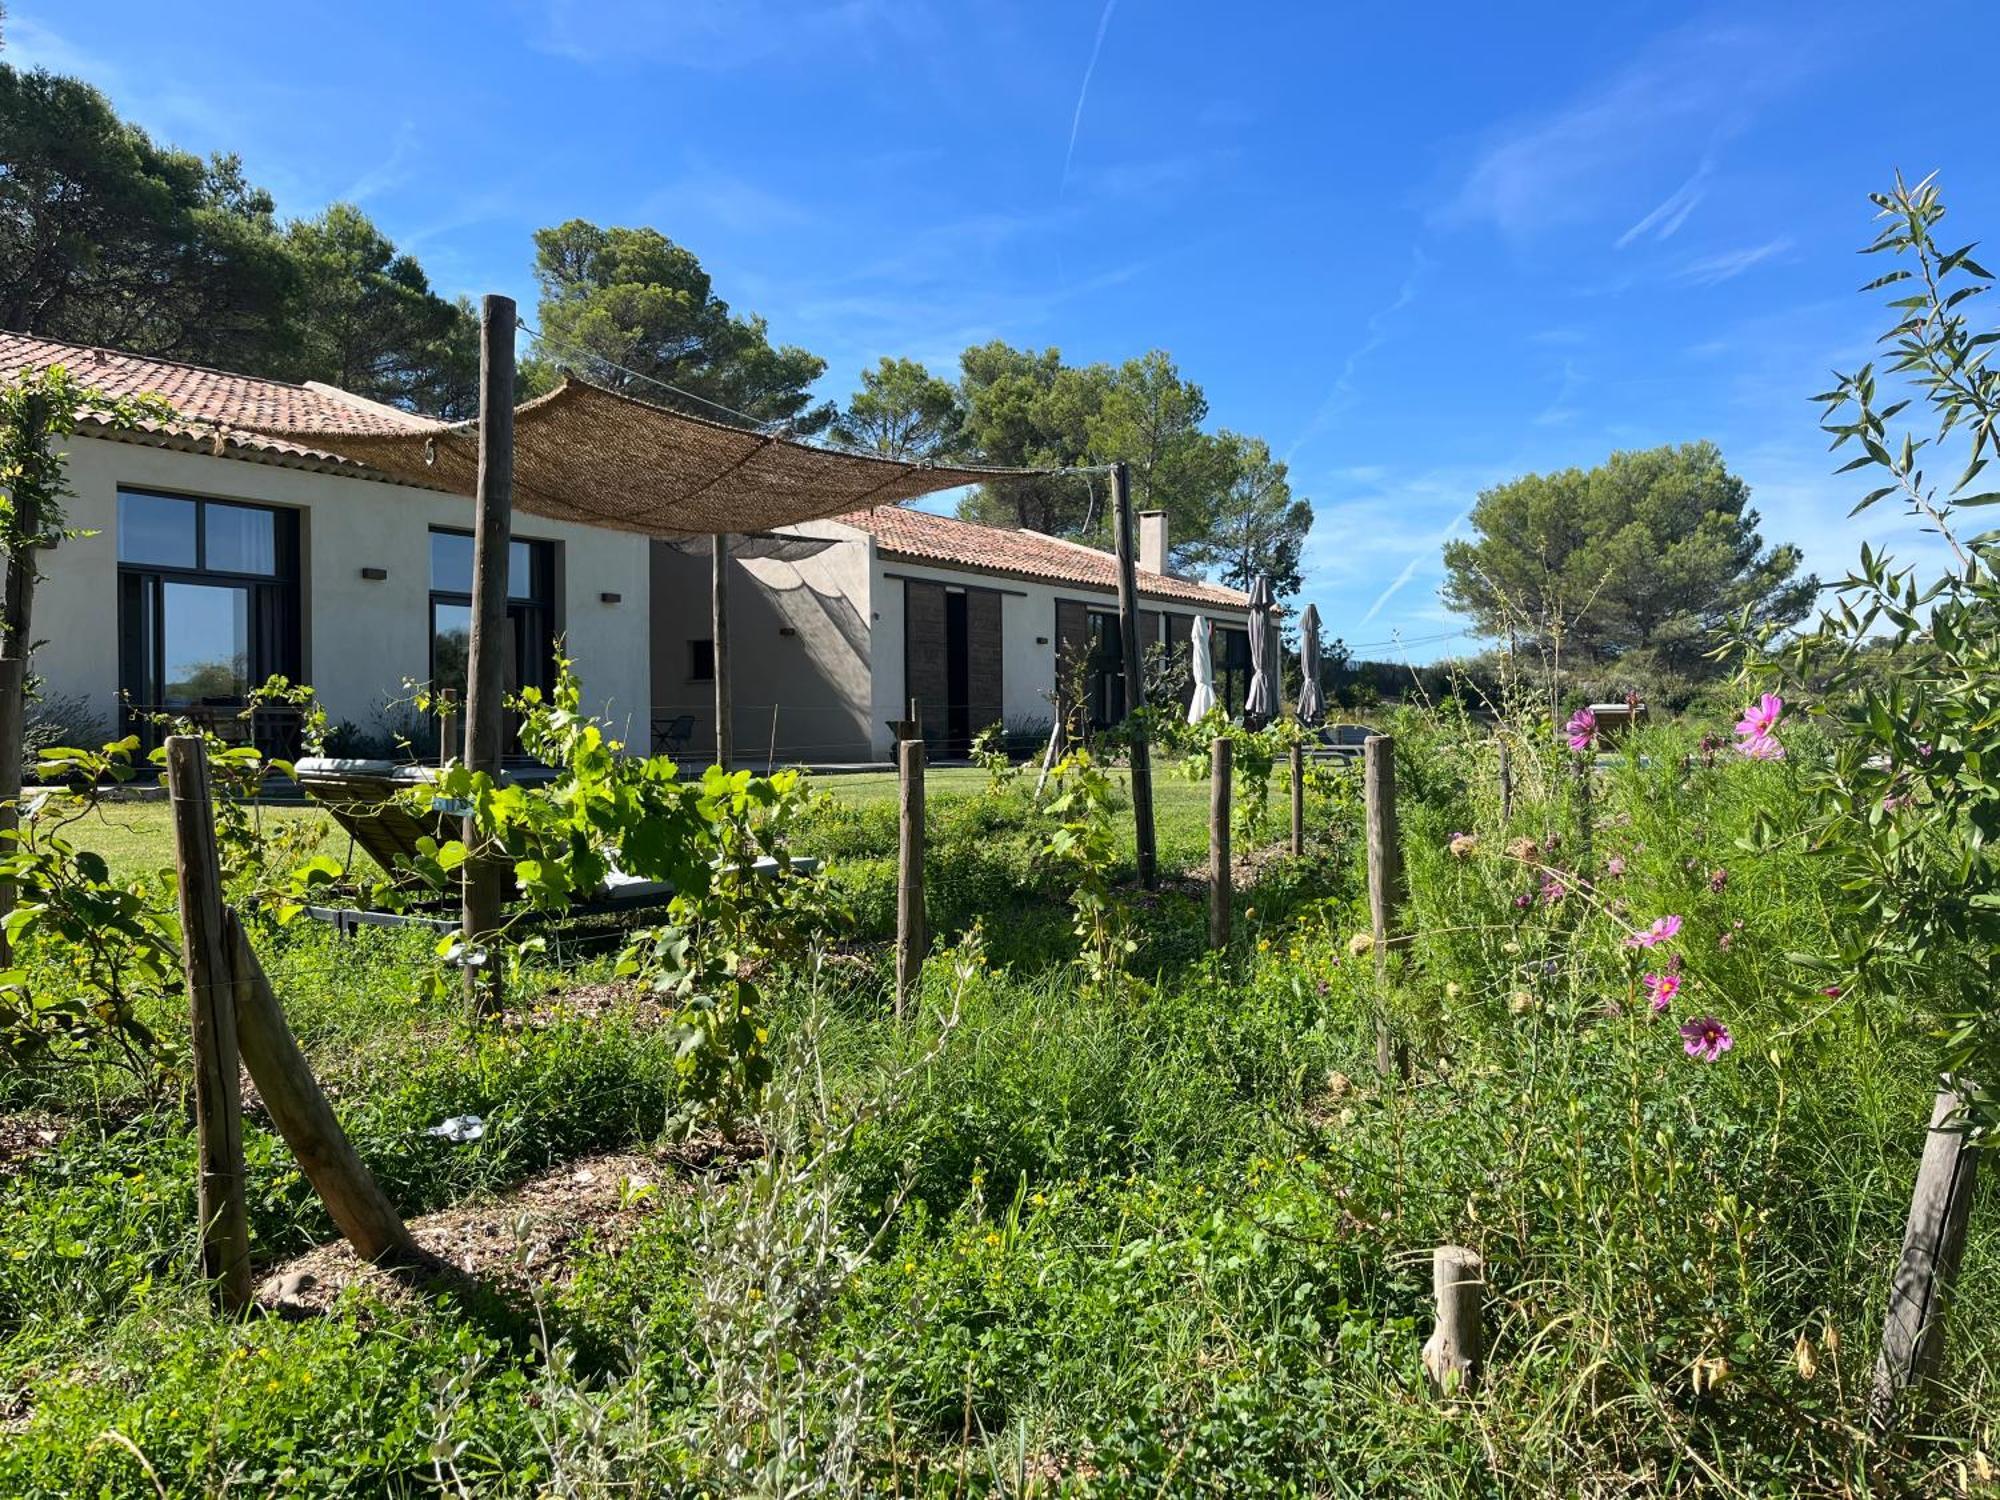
(1171, 1241)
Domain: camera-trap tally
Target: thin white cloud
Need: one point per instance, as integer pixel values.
(391, 172)
(1711, 270)
(1375, 334)
(1083, 93)
(1569, 165)
(1429, 553)
(1672, 211)
(1559, 410)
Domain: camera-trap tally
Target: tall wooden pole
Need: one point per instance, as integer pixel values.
(485, 674)
(1219, 753)
(1135, 681)
(218, 1102)
(1933, 1243)
(718, 600)
(1385, 877)
(912, 936)
(17, 642)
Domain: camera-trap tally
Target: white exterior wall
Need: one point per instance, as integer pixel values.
(1028, 635)
(360, 638)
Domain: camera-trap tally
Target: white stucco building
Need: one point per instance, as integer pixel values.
(215, 563)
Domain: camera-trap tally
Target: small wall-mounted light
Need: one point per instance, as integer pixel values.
(609, 598)
(374, 575)
(1041, 640)
(787, 630)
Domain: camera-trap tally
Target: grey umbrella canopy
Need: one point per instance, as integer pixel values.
(1260, 704)
(1312, 703)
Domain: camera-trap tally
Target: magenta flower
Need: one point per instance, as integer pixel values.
(1761, 747)
(1615, 866)
(1663, 988)
(1553, 890)
(1523, 901)
(1582, 729)
(1761, 719)
(1706, 1038)
(1662, 929)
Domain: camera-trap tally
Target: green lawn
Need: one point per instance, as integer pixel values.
(137, 836)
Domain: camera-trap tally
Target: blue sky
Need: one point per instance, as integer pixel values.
(1421, 249)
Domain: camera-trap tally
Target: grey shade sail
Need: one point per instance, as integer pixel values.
(757, 545)
(1261, 701)
(1202, 650)
(1312, 702)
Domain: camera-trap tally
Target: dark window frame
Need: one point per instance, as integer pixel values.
(275, 607)
(701, 658)
(536, 609)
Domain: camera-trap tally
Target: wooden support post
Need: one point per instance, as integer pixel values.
(1457, 1347)
(17, 644)
(492, 642)
(1298, 801)
(218, 1102)
(1220, 752)
(1385, 882)
(912, 938)
(359, 1208)
(1135, 680)
(447, 707)
(719, 647)
(1506, 783)
(771, 750)
(1913, 1334)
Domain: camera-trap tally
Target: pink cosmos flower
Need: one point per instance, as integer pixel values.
(1553, 890)
(1761, 747)
(1615, 866)
(1582, 729)
(1706, 1038)
(1761, 719)
(1662, 929)
(1663, 988)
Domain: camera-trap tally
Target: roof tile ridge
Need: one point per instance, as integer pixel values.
(153, 359)
(415, 421)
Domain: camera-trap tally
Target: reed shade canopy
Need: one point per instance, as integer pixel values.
(602, 458)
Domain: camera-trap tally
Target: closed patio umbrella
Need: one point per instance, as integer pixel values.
(1199, 638)
(1260, 704)
(1312, 703)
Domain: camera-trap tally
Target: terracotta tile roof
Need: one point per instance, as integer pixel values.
(212, 398)
(919, 536)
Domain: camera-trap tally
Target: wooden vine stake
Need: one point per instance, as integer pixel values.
(218, 1102)
(1298, 801)
(1386, 890)
(911, 937)
(1506, 783)
(1138, 751)
(356, 1203)
(1456, 1350)
(1220, 752)
(1933, 1242)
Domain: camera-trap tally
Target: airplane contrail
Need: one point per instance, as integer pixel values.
(1076, 120)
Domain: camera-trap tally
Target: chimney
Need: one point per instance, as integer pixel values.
(1153, 541)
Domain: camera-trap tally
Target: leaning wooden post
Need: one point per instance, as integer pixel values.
(218, 1103)
(359, 1208)
(1220, 752)
(1457, 1346)
(1913, 1334)
(1506, 784)
(1385, 879)
(719, 647)
(1135, 681)
(911, 937)
(1298, 800)
(492, 642)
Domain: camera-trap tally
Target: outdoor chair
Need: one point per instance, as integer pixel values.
(671, 736)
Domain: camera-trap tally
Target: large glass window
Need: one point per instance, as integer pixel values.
(208, 605)
(530, 654)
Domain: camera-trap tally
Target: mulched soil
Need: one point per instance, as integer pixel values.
(518, 1240)
(25, 1136)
